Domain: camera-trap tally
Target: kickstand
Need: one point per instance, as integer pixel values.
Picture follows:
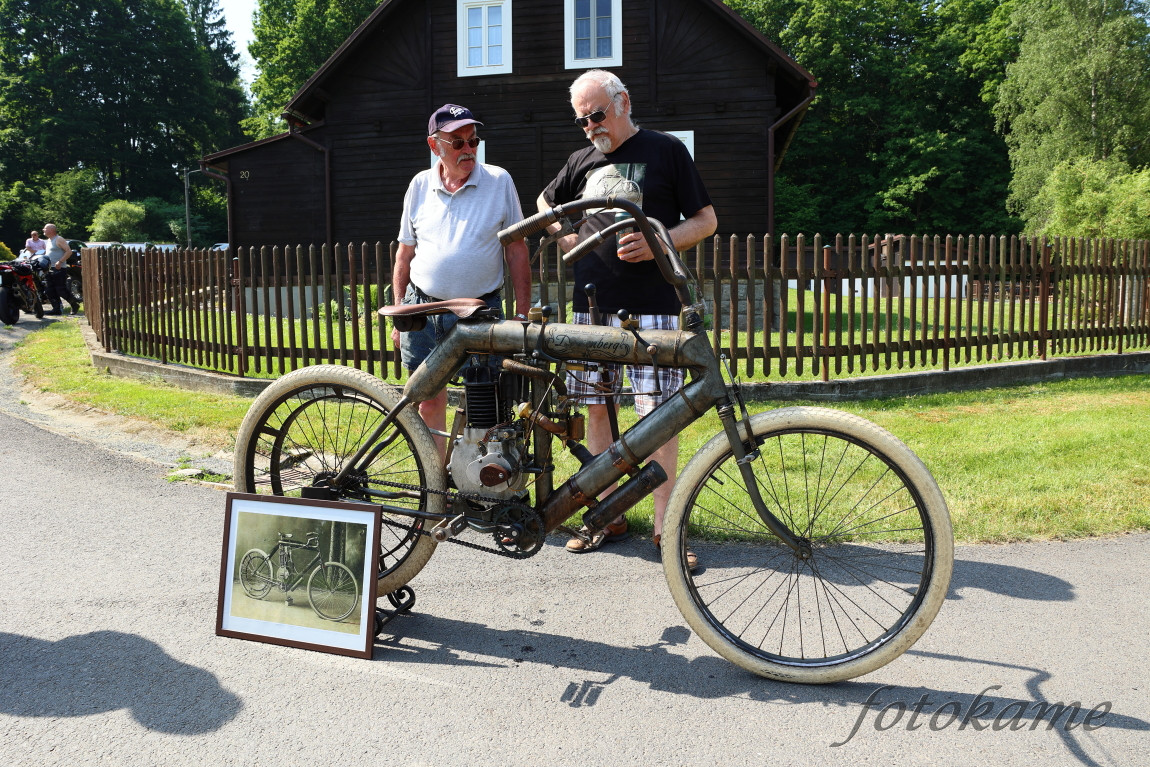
(402, 600)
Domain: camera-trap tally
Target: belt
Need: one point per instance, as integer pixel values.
(427, 297)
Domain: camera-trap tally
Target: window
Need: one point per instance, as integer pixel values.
(484, 37)
(593, 33)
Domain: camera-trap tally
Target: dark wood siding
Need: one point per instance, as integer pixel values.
(278, 195)
(686, 67)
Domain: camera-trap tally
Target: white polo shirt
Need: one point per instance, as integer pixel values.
(457, 253)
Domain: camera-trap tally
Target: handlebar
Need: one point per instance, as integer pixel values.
(668, 261)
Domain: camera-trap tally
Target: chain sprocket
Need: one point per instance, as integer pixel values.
(527, 527)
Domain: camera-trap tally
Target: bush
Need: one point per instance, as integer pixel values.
(1095, 198)
(5, 253)
(119, 220)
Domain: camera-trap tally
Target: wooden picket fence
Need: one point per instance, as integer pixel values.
(786, 307)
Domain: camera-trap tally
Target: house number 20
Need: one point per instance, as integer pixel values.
(245, 174)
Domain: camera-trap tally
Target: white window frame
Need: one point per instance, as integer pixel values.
(461, 16)
(616, 57)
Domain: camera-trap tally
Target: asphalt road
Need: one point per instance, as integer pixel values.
(108, 653)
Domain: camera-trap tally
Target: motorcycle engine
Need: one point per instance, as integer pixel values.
(489, 454)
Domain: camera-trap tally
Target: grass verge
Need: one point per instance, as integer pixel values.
(1049, 461)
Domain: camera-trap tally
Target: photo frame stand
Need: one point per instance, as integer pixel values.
(402, 600)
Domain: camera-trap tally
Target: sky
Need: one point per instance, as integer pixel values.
(238, 14)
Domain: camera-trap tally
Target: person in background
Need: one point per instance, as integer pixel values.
(34, 245)
(57, 252)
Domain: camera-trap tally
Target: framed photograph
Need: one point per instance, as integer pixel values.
(299, 572)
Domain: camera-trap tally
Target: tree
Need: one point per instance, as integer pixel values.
(1080, 89)
(116, 86)
(898, 138)
(229, 101)
(291, 40)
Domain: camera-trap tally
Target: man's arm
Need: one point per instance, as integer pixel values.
(519, 264)
(400, 276)
(566, 242)
(67, 253)
(401, 273)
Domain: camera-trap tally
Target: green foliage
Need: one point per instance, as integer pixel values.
(1095, 198)
(120, 221)
(119, 93)
(899, 138)
(163, 221)
(5, 253)
(70, 199)
(292, 39)
(1078, 91)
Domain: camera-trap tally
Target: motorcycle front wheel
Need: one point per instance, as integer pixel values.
(301, 431)
(879, 535)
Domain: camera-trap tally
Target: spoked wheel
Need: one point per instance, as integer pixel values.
(256, 574)
(877, 526)
(332, 591)
(303, 429)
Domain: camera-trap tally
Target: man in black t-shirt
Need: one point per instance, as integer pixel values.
(655, 171)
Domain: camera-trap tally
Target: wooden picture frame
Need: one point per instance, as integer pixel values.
(300, 573)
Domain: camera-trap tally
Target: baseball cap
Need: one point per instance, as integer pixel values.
(450, 117)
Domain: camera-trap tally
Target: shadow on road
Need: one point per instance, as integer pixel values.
(109, 670)
(1009, 581)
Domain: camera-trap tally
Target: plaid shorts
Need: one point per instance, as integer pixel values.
(641, 377)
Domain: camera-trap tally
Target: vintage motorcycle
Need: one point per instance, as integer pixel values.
(18, 292)
(826, 542)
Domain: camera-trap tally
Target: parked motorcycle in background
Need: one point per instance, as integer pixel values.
(18, 292)
(72, 286)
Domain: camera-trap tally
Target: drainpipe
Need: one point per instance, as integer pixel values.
(326, 179)
(231, 198)
(771, 153)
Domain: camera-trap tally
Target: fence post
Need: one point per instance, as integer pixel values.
(826, 313)
(238, 280)
(1043, 299)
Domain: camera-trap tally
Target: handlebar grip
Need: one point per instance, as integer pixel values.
(528, 226)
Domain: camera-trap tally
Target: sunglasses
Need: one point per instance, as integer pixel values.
(598, 116)
(457, 143)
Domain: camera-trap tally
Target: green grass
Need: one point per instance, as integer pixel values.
(1050, 461)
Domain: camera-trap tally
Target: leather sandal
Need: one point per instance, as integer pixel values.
(692, 559)
(613, 532)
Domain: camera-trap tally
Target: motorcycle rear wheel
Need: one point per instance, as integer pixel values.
(9, 311)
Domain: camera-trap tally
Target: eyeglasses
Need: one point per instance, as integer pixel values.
(457, 143)
(598, 116)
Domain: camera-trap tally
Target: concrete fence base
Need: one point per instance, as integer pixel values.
(869, 387)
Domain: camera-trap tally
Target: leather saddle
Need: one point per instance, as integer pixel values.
(407, 317)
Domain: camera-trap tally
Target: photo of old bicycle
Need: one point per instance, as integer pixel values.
(827, 543)
(332, 589)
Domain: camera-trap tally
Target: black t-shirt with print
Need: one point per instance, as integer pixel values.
(655, 171)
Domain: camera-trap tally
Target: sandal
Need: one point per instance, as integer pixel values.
(613, 532)
(692, 559)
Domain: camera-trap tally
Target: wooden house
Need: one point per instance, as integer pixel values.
(356, 128)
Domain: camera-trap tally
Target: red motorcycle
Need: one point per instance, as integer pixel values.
(18, 291)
